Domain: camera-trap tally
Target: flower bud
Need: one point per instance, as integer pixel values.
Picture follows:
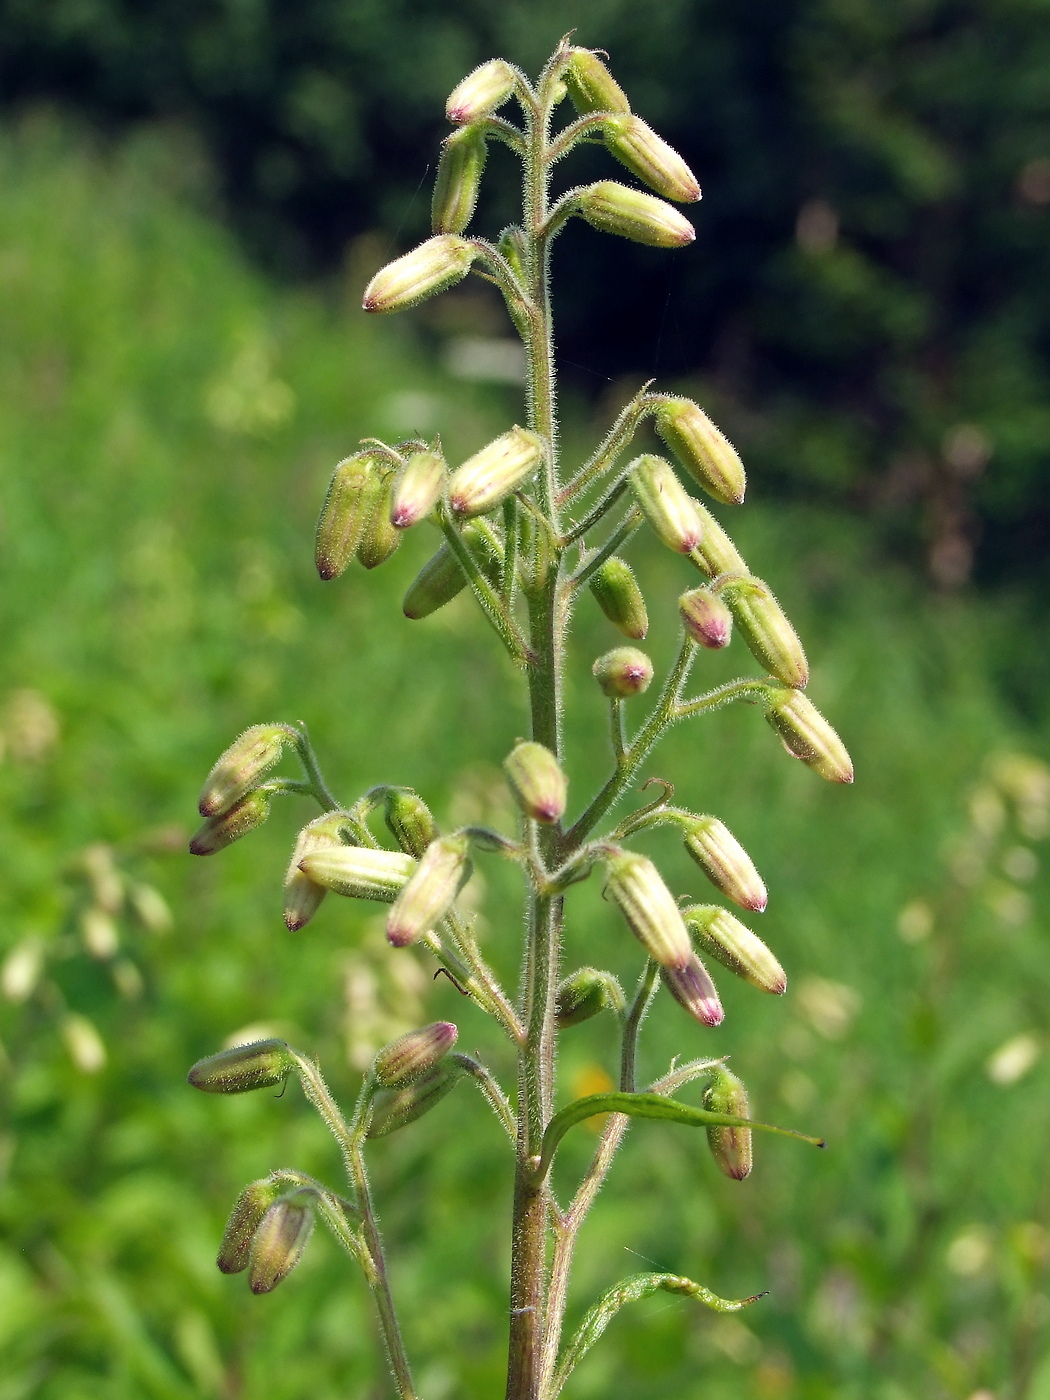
(735, 947)
(380, 538)
(613, 208)
(344, 516)
(303, 896)
(221, 831)
(441, 578)
(358, 872)
(668, 507)
(622, 672)
(693, 990)
(646, 903)
(278, 1244)
(770, 637)
(709, 457)
(480, 92)
(242, 1068)
(443, 870)
(417, 489)
(245, 1218)
(459, 172)
(537, 782)
(730, 1147)
(433, 267)
(808, 736)
(635, 144)
(487, 478)
(706, 618)
(591, 86)
(394, 1108)
(725, 863)
(410, 821)
(410, 1056)
(240, 768)
(585, 994)
(620, 599)
(716, 553)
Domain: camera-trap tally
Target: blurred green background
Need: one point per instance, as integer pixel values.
(182, 362)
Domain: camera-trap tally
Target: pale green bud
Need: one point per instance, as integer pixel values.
(394, 1108)
(693, 990)
(460, 167)
(725, 863)
(668, 507)
(591, 86)
(410, 821)
(537, 782)
(245, 1218)
(614, 208)
(585, 994)
(480, 92)
(443, 870)
(410, 1056)
(734, 945)
(240, 768)
(260, 1065)
(705, 617)
(651, 913)
(441, 578)
(380, 538)
(635, 144)
(708, 456)
(417, 489)
(620, 599)
(344, 516)
(623, 672)
(278, 1244)
(433, 267)
(730, 1147)
(487, 478)
(219, 832)
(716, 553)
(303, 896)
(770, 637)
(359, 872)
(808, 736)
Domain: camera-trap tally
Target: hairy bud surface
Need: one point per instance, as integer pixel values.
(725, 862)
(590, 85)
(616, 591)
(417, 489)
(410, 1056)
(808, 736)
(730, 1147)
(442, 578)
(623, 672)
(344, 516)
(481, 92)
(278, 1244)
(219, 832)
(485, 480)
(635, 144)
(667, 505)
(734, 945)
(433, 267)
(359, 872)
(770, 637)
(693, 990)
(707, 455)
(706, 618)
(260, 1065)
(245, 1218)
(239, 769)
(651, 913)
(394, 1108)
(537, 782)
(614, 208)
(427, 897)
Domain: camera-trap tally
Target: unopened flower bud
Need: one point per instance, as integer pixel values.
(646, 903)
(620, 599)
(433, 267)
(693, 990)
(460, 167)
(245, 762)
(245, 1218)
(708, 456)
(443, 870)
(410, 1056)
(730, 1147)
(591, 86)
(536, 780)
(585, 994)
(278, 1244)
(635, 144)
(344, 516)
(303, 896)
(394, 1108)
(417, 489)
(725, 862)
(359, 872)
(219, 832)
(808, 736)
(410, 821)
(668, 506)
(480, 92)
(733, 945)
(622, 672)
(441, 578)
(487, 478)
(770, 637)
(614, 208)
(257, 1066)
(716, 553)
(706, 618)
(380, 538)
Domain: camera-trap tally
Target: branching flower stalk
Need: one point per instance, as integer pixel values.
(509, 536)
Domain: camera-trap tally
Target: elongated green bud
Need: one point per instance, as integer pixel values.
(620, 599)
(537, 782)
(433, 267)
(480, 92)
(410, 1056)
(693, 990)
(394, 1108)
(635, 144)
(613, 208)
(417, 489)
(245, 1218)
(730, 1147)
(303, 896)
(410, 821)
(716, 553)
(725, 863)
(278, 1244)
(219, 832)
(239, 769)
(770, 637)
(808, 736)
(590, 85)
(668, 506)
(585, 994)
(651, 913)
(623, 672)
(460, 167)
(708, 456)
(443, 870)
(344, 516)
(359, 872)
(706, 618)
(488, 478)
(380, 538)
(257, 1066)
(735, 947)
(441, 578)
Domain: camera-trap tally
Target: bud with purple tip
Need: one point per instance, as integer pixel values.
(693, 990)
(460, 168)
(411, 1056)
(443, 870)
(358, 872)
(260, 1065)
(706, 618)
(667, 505)
(433, 267)
(617, 593)
(488, 478)
(808, 736)
(614, 208)
(725, 862)
(394, 1108)
(417, 489)
(344, 516)
(219, 832)
(635, 144)
(770, 637)
(735, 947)
(708, 456)
(279, 1243)
(623, 672)
(303, 896)
(730, 1147)
(537, 782)
(245, 1218)
(245, 762)
(480, 92)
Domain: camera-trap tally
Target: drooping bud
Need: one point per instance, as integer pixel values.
(245, 762)
(668, 506)
(706, 618)
(622, 672)
(488, 478)
(708, 456)
(245, 1218)
(410, 1056)
(735, 947)
(808, 736)
(441, 578)
(359, 872)
(219, 832)
(537, 782)
(646, 903)
(460, 167)
(730, 1147)
(443, 870)
(278, 1244)
(635, 144)
(394, 1108)
(260, 1065)
(620, 599)
(614, 208)
(480, 92)
(303, 896)
(585, 994)
(591, 87)
(433, 267)
(417, 489)
(716, 553)
(725, 863)
(410, 821)
(693, 990)
(380, 538)
(770, 637)
(344, 516)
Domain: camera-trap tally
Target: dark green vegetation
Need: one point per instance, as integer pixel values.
(167, 424)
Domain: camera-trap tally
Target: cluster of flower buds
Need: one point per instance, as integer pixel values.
(537, 782)
(730, 1147)
(266, 1233)
(231, 801)
(303, 896)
